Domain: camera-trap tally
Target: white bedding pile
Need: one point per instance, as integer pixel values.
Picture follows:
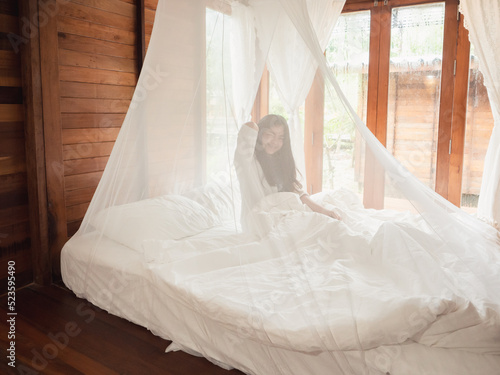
(328, 280)
(377, 289)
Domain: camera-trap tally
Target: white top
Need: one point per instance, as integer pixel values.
(253, 183)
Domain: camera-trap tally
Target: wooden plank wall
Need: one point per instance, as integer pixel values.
(89, 66)
(14, 215)
(98, 72)
(149, 15)
(413, 124)
(414, 138)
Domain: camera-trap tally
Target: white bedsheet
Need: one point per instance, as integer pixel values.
(332, 293)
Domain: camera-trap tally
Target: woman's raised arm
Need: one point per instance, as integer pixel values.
(245, 146)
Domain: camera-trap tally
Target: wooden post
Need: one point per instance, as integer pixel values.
(378, 94)
(373, 68)
(446, 99)
(141, 34)
(54, 167)
(313, 135)
(383, 73)
(261, 103)
(459, 115)
(35, 149)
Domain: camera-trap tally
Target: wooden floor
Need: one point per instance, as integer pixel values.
(57, 333)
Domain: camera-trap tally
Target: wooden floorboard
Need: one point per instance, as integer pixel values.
(58, 333)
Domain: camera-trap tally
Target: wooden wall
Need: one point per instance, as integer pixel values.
(83, 61)
(14, 215)
(98, 70)
(413, 123)
(79, 70)
(413, 139)
(98, 60)
(149, 15)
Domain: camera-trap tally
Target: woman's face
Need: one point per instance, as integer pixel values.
(272, 139)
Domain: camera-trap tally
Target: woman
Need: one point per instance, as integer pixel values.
(265, 165)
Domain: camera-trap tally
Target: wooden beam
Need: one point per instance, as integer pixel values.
(264, 93)
(459, 115)
(54, 166)
(370, 198)
(35, 149)
(313, 135)
(141, 34)
(357, 5)
(399, 3)
(383, 73)
(446, 99)
(378, 94)
(373, 68)
(261, 103)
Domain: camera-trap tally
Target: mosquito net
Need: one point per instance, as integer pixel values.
(202, 229)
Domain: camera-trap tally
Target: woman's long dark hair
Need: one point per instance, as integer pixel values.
(279, 168)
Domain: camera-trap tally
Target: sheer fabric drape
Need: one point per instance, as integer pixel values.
(293, 67)
(482, 19)
(248, 55)
(288, 58)
(308, 296)
(459, 231)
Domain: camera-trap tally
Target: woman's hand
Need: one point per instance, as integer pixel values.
(318, 208)
(331, 214)
(252, 125)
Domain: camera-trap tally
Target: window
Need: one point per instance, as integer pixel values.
(413, 96)
(347, 54)
(414, 87)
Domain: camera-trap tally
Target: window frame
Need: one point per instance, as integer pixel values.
(453, 101)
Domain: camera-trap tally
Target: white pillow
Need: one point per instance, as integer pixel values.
(168, 217)
(219, 197)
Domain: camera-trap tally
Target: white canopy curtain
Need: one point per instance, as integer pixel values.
(293, 67)
(380, 291)
(289, 60)
(248, 57)
(482, 19)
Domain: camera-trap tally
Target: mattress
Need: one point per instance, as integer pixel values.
(192, 293)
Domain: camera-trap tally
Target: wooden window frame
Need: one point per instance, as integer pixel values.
(453, 101)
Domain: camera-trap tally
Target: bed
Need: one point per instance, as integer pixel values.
(326, 297)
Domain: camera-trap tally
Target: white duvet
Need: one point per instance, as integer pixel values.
(375, 293)
(311, 284)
